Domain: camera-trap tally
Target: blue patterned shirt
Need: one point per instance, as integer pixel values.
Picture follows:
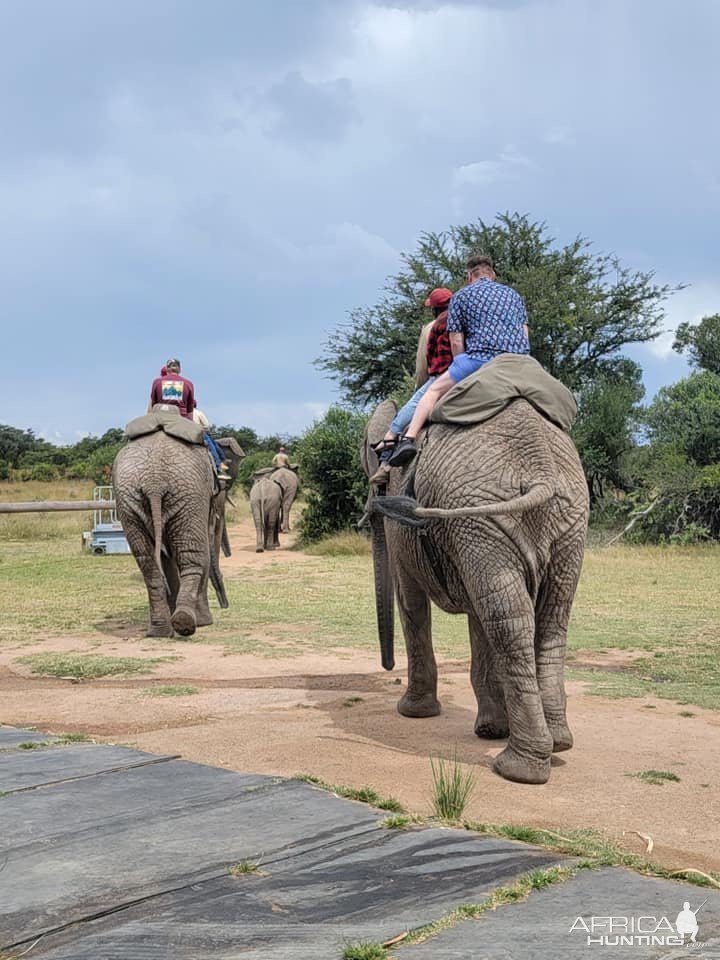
(492, 318)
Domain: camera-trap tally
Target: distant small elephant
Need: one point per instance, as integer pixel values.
(266, 505)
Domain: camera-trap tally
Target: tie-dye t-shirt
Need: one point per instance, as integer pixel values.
(176, 391)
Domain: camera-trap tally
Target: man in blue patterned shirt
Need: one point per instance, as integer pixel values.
(486, 319)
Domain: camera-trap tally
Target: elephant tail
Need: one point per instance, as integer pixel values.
(156, 515)
(406, 511)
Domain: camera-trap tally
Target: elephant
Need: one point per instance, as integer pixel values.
(173, 515)
(271, 497)
(500, 538)
(289, 483)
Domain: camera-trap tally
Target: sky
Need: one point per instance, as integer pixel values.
(225, 181)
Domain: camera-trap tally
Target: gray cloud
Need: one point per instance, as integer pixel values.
(307, 111)
(225, 181)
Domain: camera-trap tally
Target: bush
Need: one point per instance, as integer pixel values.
(43, 471)
(329, 458)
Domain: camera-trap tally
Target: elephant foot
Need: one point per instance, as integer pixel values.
(183, 620)
(426, 705)
(491, 728)
(520, 768)
(203, 619)
(259, 549)
(285, 530)
(163, 629)
(562, 738)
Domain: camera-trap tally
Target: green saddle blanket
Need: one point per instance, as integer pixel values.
(508, 377)
(168, 420)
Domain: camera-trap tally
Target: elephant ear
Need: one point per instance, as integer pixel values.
(232, 452)
(377, 427)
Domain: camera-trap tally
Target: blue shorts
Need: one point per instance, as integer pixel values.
(463, 365)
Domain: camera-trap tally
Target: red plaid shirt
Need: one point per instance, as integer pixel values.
(439, 355)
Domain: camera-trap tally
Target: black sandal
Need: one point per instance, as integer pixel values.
(403, 453)
(385, 449)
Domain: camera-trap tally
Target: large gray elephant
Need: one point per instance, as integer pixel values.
(174, 518)
(494, 528)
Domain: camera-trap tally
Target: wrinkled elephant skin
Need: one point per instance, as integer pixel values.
(173, 518)
(512, 568)
(288, 482)
(266, 498)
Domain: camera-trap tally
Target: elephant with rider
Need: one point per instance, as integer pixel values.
(172, 509)
(489, 522)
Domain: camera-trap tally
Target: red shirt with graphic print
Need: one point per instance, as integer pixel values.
(174, 390)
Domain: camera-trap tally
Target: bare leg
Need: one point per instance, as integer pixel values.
(427, 402)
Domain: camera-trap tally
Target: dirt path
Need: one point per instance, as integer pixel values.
(335, 717)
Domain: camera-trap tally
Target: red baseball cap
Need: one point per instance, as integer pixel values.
(439, 296)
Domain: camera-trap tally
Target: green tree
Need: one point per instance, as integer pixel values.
(14, 443)
(677, 472)
(329, 458)
(608, 412)
(584, 308)
(701, 342)
(686, 417)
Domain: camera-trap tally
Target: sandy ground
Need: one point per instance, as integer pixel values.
(336, 719)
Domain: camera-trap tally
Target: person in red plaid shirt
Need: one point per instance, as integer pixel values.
(438, 357)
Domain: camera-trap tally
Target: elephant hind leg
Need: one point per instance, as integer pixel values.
(143, 549)
(491, 722)
(552, 618)
(506, 615)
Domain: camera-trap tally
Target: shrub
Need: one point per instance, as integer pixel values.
(43, 472)
(329, 457)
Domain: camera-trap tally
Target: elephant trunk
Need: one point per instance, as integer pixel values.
(384, 597)
(217, 581)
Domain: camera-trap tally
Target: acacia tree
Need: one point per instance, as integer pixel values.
(583, 307)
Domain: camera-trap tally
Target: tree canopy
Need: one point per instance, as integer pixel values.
(583, 307)
(700, 342)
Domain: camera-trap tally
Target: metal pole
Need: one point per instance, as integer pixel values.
(54, 506)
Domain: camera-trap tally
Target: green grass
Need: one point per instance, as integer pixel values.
(398, 822)
(365, 950)
(88, 666)
(351, 701)
(361, 794)
(656, 777)
(518, 891)
(659, 604)
(451, 788)
(345, 544)
(246, 868)
(169, 690)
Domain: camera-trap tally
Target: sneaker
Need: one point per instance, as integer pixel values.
(381, 475)
(403, 453)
